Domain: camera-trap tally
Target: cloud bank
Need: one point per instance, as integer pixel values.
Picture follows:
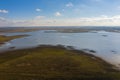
(3, 11)
(44, 21)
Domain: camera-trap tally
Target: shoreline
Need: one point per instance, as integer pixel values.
(4, 39)
(83, 52)
(86, 52)
(54, 62)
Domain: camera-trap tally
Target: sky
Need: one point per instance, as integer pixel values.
(59, 13)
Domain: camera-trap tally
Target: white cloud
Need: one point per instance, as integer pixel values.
(39, 17)
(5, 22)
(38, 10)
(102, 20)
(3, 11)
(69, 4)
(2, 19)
(58, 14)
(104, 16)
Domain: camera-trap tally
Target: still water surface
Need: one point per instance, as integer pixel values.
(106, 44)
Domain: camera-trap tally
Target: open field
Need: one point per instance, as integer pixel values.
(54, 63)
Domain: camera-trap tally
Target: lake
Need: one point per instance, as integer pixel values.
(106, 44)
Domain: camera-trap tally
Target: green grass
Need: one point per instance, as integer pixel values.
(54, 63)
(8, 38)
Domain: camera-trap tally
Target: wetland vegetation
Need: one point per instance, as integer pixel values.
(54, 63)
(47, 62)
(4, 39)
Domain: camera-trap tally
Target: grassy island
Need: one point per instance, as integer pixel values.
(54, 63)
(4, 39)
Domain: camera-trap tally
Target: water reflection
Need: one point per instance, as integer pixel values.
(106, 44)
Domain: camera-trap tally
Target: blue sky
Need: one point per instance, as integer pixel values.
(59, 12)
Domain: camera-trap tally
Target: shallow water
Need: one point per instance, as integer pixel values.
(106, 44)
